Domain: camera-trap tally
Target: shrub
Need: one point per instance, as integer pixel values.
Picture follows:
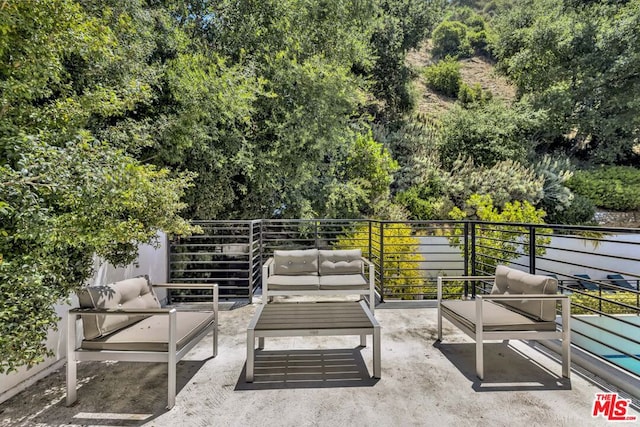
(586, 303)
(556, 196)
(423, 205)
(444, 77)
(400, 255)
(473, 94)
(488, 133)
(610, 187)
(506, 181)
(450, 39)
(580, 211)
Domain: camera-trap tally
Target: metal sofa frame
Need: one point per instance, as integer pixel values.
(172, 356)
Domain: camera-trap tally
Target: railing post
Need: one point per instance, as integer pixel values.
(250, 272)
(381, 261)
(370, 256)
(473, 260)
(466, 249)
(315, 232)
(168, 242)
(532, 249)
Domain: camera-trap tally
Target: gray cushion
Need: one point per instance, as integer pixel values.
(510, 281)
(298, 262)
(340, 262)
(495, 317)
(293, 283)
(133, 293)
(152, 333)
(344, 282)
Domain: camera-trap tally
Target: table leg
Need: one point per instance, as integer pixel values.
(251, 342)
(377, 371)
(260, 343)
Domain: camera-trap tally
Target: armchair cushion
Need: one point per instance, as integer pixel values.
(495, 317)
(298, 262)
(340, 262)
(510, 281)
(152, 333)
(135, 293)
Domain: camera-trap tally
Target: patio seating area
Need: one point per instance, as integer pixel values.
(323, 381)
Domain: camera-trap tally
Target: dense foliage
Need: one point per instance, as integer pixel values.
(119, 119)
(578, 62)
(66, 195)
(499, 243)
(613, 187)
(400, 260)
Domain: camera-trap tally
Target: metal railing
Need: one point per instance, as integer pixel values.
(227, 253)
(409, 255)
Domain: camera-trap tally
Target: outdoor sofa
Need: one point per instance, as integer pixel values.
(318, 272)
(124, 321)
(519, 306)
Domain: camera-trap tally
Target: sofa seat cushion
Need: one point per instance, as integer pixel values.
(343, 282)
(510, 281)
(495, 317)
(136, 293)
(334, 262)
(293, 283)
(297, 262)
(152, 333)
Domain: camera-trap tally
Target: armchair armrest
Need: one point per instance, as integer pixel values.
(442, 279)
(121, 311)
(212, 286)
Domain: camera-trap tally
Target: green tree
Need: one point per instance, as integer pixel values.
(578, 62)
(499, 243)
(488, 133)
(66, 195)
(362, 179)
(402, 25)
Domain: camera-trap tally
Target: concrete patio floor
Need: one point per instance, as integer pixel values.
(423, 383)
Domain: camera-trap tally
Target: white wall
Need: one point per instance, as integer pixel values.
(571, 255)
(151, 261)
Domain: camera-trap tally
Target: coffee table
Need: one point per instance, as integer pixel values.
(312, 319)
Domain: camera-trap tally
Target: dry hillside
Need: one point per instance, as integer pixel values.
(474, 70)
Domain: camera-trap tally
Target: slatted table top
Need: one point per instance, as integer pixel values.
(320, 315)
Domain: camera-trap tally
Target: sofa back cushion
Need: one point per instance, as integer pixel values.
(515, 282)
(131, 293)
(303, 262)
(340, 262)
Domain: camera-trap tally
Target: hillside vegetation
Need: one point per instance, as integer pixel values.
(121, 119)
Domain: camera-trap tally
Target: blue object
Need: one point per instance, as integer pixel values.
(620, 281)
(586, 284)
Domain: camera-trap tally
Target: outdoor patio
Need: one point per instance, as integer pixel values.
(324, 381)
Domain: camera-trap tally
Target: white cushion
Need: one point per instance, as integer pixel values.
(340, 262)
(296, 262)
